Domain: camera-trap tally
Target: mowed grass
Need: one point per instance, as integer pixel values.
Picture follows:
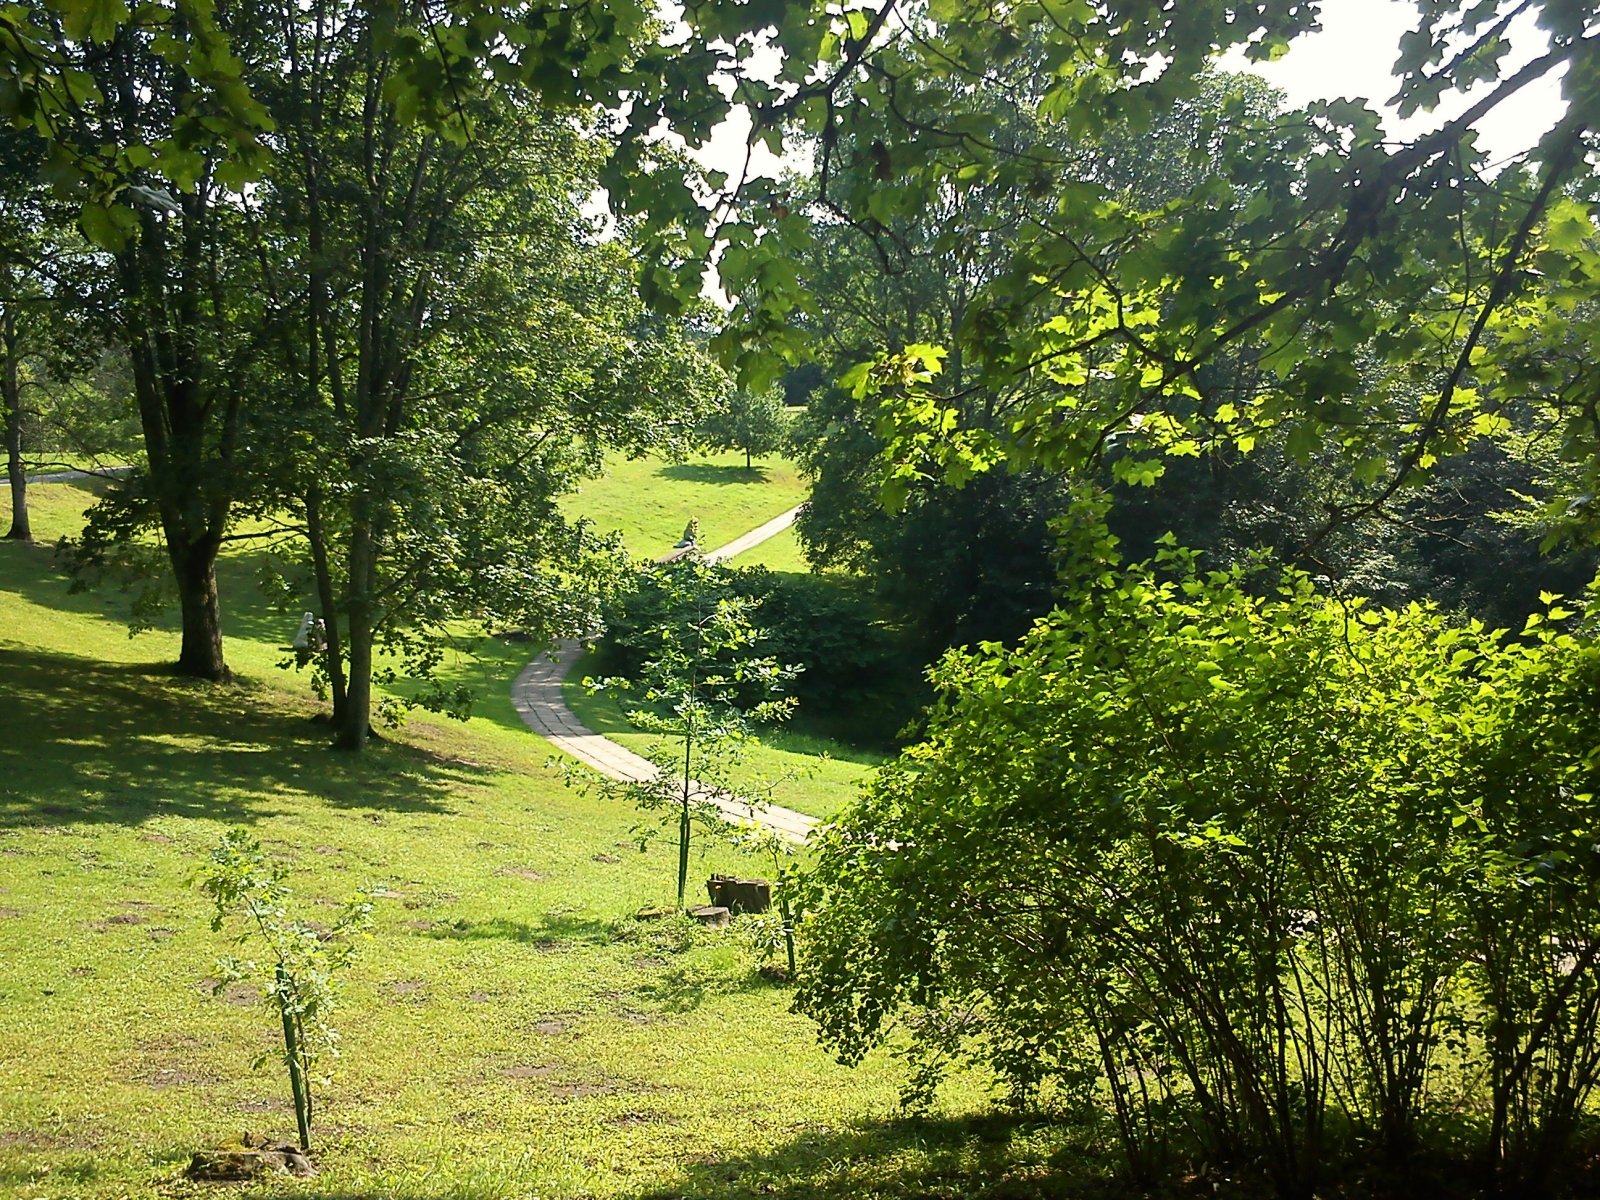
(811, 774)
(649, 501)
(509, 1030)
(778, 553)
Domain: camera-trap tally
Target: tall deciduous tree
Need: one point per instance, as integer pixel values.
(157, 134)
(42, 338)
(456, 347)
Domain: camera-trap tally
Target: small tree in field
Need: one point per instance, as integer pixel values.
(703, 689)
(750, 421)
(248, 886)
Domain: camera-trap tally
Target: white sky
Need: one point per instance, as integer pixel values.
(1349, 58)
(1352, 56)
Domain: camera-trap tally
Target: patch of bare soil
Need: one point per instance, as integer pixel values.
(527, 873)
(531, 1071)
(171, 1077)
(238, 993)
(579, 1091)
(415, 989)
(28, 1139)
(631, 1120)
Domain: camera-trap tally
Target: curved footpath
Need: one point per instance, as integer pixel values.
(536, 695)
(69, 476)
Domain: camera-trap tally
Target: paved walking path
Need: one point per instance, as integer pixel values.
(68, 476)
(536, 695)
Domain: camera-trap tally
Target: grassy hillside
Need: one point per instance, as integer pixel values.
(510, 1030)
(819, 776)
(780, 553)
(650, 501)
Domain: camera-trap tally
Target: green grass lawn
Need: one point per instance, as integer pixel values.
(649, 501)
(818, 776)
(510, 1030)
(779, 553)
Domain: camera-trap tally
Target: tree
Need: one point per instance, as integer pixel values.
(957, 558)
(702, 689)
(41, 339)
(247, 888)
(754, 422)
(156, 142)
(454, 351)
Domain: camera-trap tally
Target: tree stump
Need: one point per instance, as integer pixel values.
(715, 916)
(247, 1160)
(740, 895)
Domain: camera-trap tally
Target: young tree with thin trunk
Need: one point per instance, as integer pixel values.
(702, 692)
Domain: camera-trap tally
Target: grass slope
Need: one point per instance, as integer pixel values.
(823, 774)
(509, 1031)
(649, 502)
(779, 553)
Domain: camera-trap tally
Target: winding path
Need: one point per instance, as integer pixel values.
(536, 695)
(69, 476)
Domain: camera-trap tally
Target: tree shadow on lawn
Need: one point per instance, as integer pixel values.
(682, 989)
(984, 1158)
(83, 740)
(713, 473)
(552, 931)
(993, 1157)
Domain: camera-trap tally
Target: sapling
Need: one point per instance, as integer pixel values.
(703, 689)
(766, 934)
(248, 888)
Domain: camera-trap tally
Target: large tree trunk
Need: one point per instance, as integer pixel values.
(194, 569)
(327, 601)
(21, 529)
(189, 429)
(353, 726)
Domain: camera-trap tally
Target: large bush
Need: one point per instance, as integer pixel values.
(1264, 875)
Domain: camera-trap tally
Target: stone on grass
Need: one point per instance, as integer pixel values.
(248, 1158)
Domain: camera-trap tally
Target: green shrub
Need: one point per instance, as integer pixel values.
(1269, 865)
(826, 628)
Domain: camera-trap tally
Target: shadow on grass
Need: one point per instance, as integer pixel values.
(684, 989)
(36, 574)
(987, 1158)
(552, 930)
(713, 473)
(87, 741)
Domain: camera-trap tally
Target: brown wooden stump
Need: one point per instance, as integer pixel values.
(740, 895)
(713, 915)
